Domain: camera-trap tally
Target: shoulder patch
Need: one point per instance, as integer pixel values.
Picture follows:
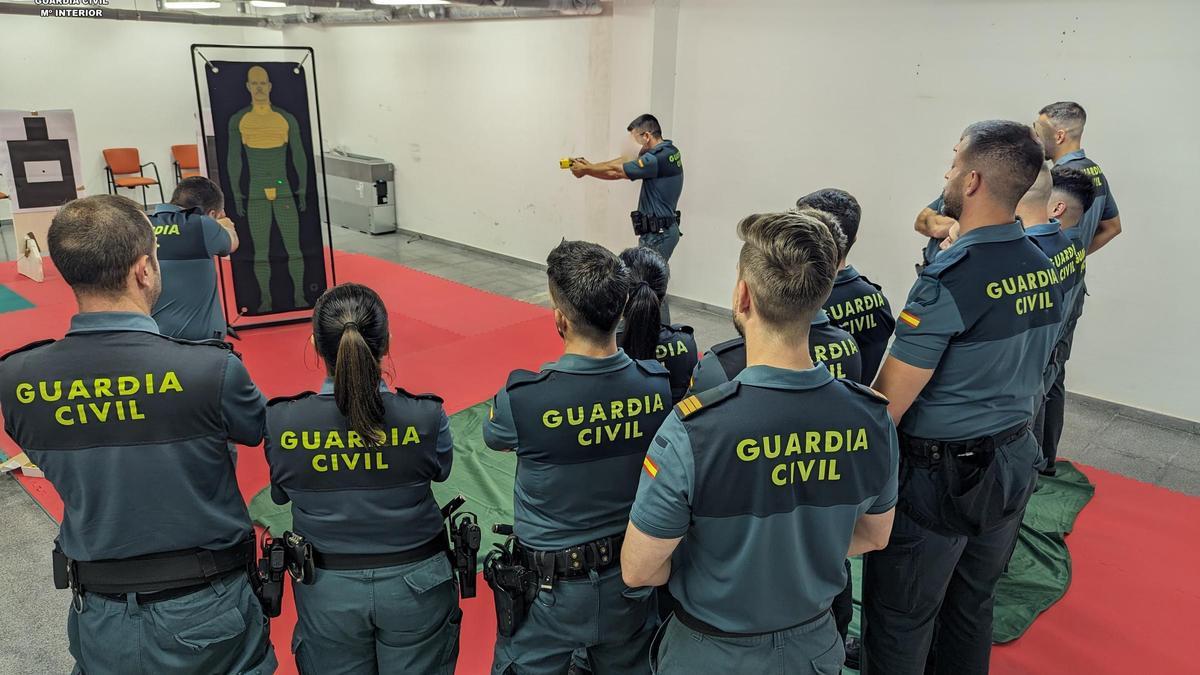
(29, 347)
(682, 328)
(946, 260)
(286, 399)
(652, 367)
(422, 397)
(864, 390)
(727, 345)
(694, 404)
(520, 377)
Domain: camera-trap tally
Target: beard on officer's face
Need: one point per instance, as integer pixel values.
(737, 323)
(952, 199)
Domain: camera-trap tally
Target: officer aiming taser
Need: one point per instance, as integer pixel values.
(647, 224)
(566, 162)
(268, 578)
(513, 585)
(465, 539)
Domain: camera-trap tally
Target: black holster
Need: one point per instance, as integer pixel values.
(644, 223)
(465, 539)
(267, 581)
(513, 585)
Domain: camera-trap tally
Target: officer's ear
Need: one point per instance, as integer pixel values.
(972, 184)
(1057, 208)
(143, 271)
(742, 302)
(561, 323)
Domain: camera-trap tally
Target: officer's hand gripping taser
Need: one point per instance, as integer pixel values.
(513, 585)
(465, 538)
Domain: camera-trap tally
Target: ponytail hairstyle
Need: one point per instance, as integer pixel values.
(648, 275)
(350, 330)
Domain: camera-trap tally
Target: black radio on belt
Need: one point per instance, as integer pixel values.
(465, 538)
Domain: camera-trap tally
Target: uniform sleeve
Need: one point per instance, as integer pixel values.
(926, 324)
(662, 507)
(1110, 202)
(707, 374)
(887, 497)
(643, 167)
(500, 429)
(445, 449)
(216, 239)
(242, 405)
(937, 204)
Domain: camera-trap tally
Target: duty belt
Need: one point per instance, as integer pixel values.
(573, 562)
(708, 629)
(923, 448)
(370, 561)
(157, 576)
(645, 223)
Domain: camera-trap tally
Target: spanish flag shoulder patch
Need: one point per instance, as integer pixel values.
(650, 467)
(910, 319)
(689, 405)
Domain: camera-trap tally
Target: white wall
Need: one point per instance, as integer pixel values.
(871, 95)
(129, 83)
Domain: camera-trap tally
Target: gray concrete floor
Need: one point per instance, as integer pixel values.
(1145, 446)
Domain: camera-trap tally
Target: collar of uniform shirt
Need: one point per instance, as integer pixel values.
(327, 387)
(163, 208)
(103, 322)
(846, 274)
(577, 363)
(783, 378)
(1044, 228)
(988, 233)
(820, 318)
(1070, 157)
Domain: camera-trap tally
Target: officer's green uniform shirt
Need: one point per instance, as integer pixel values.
(189, 307)
(351, 499)
(827, 344)
(661, 171)
(1067, 255)
(580, 428)
(765, 485)
(857, 305)
(984, 316)
(677, 351)
(133, 429)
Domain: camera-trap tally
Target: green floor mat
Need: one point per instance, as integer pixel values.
(10, 301)
(1039, 571)
(484, 476)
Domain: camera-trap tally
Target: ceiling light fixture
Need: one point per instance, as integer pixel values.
(410, 2)
(267, 4)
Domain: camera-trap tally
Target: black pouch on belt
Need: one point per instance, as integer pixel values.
(640, 224)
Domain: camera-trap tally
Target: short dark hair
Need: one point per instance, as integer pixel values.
(1066, 114)
(95, 240)
(646, 122)
(1007, 154)
(788, 261)
(1075, 184)
(841, 204)
(590, 285)
(198, 192)
(835, 228)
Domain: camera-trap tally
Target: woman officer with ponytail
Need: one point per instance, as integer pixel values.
(644, 336)
(356, 461)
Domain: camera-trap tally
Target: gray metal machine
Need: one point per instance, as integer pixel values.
(361, 192)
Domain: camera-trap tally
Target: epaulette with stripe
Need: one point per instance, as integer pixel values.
(285, 399)
(692, 405)
(945, 260)
(522, 377)
(864, 390)
(29, 347)
(420, 397)
(651, 367)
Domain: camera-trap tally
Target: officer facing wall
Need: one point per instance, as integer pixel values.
(356, 461)
(135, 432)
(580, 428)
(964, 376)
(766, 483)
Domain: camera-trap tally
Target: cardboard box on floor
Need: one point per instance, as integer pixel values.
(21, 462)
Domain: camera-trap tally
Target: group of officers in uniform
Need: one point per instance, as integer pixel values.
(671, 514)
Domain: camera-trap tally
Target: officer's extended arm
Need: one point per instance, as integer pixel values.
(646, 560)
(900, 383)
(613, 169)
(933, 224)
(233, 161)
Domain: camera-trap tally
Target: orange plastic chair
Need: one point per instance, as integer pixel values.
(187, 161)
(125, 170)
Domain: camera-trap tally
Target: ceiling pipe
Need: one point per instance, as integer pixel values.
(138, 15)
